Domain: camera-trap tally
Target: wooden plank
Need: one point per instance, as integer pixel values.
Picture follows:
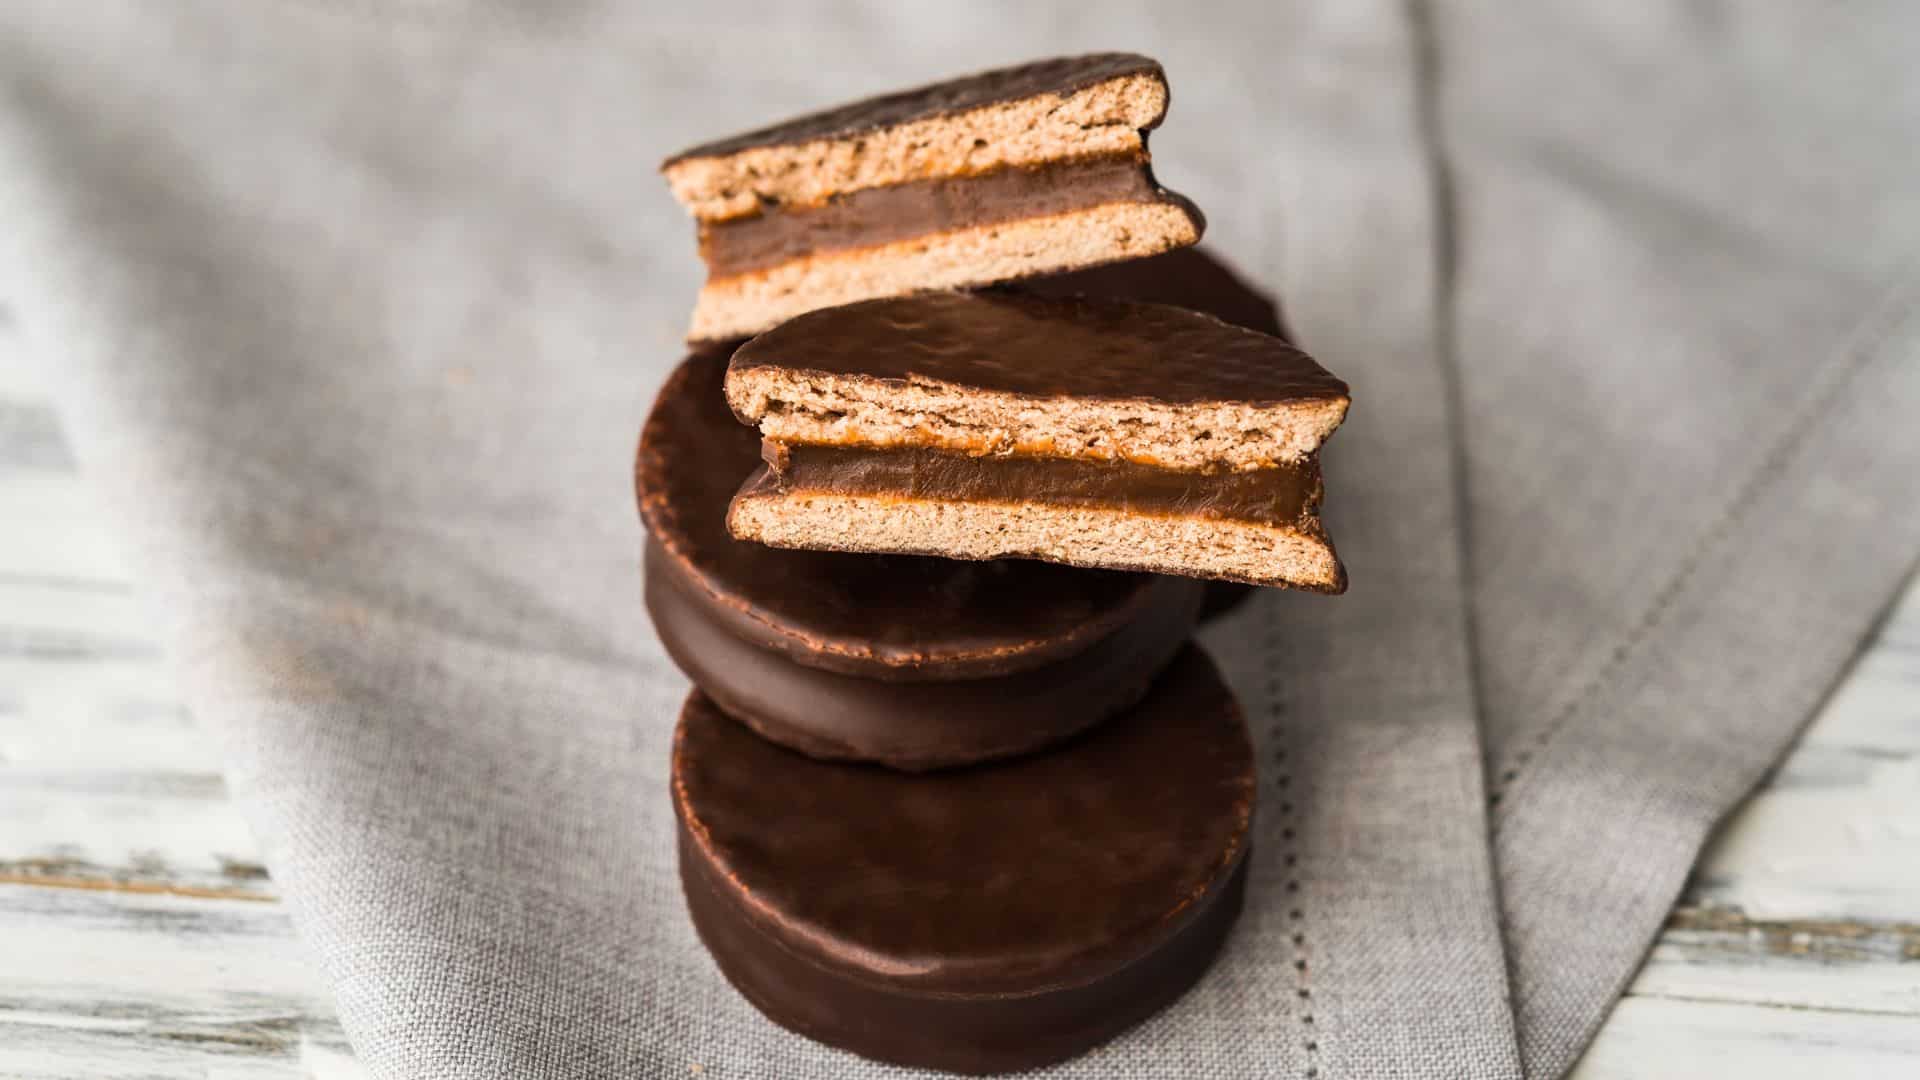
(30, 436)
(104, 778)
(52, 531)
(1835, 834)
(1654, 1039)
(1810, 896)
(107, 984)
(1722, 955)
(138, 937)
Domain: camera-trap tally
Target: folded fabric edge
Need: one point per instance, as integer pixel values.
(1595, 833)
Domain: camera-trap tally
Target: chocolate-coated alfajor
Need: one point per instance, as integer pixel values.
(976, 920)
(1088, 431)
(990, 177)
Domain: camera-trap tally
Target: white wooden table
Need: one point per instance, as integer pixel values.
(141, 937)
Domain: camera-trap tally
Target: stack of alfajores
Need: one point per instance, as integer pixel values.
(954, 789)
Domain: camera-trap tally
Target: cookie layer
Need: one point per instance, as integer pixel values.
(884, 508)
(976, 920)
(915, 726)
(886, 618)
(1009, 374)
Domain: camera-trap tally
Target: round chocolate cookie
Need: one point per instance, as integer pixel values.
(878, 617)
(976, 920)
(1192, 278)
(914, 725)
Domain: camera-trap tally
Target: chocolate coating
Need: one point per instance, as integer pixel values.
(888, 617)
(902, 211)
(1089, 348)
(1058, 76)
(1286, 495)
(980, 919)
(915, 726)
(1193, 278)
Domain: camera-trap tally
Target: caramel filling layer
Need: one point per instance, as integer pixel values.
(1282, 497)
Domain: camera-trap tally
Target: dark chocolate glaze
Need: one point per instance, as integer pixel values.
(1007, 909)
(1285, 496)
(874, 216)
(978, 1035)
(1193, 278)
(889, 617)
(1190, 278)
(1094, 349)
(1059, 77)
(915, 726)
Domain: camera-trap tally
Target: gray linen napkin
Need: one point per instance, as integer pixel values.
(354, 313)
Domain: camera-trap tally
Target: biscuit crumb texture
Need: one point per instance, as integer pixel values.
(1247, 552)
(962, 258)
(826, 409)
(1106, 118)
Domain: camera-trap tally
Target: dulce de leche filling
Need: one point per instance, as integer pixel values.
(1282, 497)
(883, 215)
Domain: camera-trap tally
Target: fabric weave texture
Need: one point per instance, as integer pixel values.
(354, 312)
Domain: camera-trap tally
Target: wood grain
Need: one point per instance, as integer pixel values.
(141, 937)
